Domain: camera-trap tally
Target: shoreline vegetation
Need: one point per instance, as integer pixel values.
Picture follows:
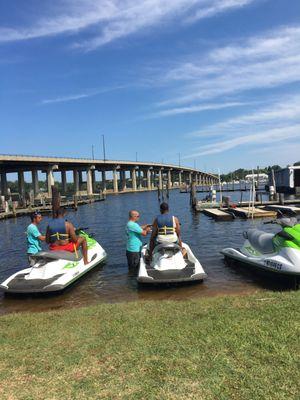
(227, 347)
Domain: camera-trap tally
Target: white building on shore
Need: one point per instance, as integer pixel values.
(287, 180)
(262, 178)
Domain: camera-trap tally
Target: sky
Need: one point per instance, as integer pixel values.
(214, 83)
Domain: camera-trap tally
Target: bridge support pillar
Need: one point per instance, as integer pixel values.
(103, 178)
(160, 181)
(93, 173)
(35, 182)
(76, 181)
(64, 181)
(80, 179)
(21, 185)
(140, 182)
(153, 180)
(169, 179)
(180, 178)
(190, 178)
(115, 181)
(3, 184)
(133, 178)
(149, 186)
(89, 180)
(123, 180)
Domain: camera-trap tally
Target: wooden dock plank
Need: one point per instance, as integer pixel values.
(217, 214)
(201, 205)
(257, 212)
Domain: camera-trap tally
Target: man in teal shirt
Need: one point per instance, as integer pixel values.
(34, 237)
(134, 233)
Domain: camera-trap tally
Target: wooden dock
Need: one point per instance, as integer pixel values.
(47, 209)
(257, 212)
(217, 214)
(202, 205)
(283, 209)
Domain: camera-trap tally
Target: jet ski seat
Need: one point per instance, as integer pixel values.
(59, 255)
(163, 248)
(260, 240)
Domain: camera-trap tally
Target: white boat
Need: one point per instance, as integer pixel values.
(53, 271)
(169, 266)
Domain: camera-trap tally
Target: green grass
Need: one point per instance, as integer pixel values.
(213, 348)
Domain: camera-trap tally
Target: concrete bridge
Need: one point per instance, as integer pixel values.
(126, 175)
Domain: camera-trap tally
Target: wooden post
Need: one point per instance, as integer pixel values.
(75, 202)
(55, 200)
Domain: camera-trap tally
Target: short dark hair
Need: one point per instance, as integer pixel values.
(60, 212)
(164, 207)
(34, 215)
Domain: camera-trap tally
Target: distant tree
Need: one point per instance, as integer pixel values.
(241, 173)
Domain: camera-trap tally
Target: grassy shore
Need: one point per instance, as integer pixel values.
(213, 348)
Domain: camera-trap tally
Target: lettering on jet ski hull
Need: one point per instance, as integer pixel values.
(273, 264)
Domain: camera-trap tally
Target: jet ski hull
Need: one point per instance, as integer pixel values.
(52, 275)
(276, 263)
(190, 271)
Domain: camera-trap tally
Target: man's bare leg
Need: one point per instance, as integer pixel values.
(83, 244)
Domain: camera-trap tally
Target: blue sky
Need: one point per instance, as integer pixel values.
(217, 81)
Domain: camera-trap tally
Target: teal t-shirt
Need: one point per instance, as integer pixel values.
(133, 232)
(33, 243)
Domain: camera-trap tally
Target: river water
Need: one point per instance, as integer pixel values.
(112, 282)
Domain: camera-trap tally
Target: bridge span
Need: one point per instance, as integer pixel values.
(125, 175)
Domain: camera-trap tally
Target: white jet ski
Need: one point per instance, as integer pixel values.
(53, 271)
(169, 266)
(277, 253)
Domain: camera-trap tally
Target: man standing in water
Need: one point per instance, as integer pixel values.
(34, 237)
(134, 233)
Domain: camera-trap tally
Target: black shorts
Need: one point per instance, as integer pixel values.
(133, 259)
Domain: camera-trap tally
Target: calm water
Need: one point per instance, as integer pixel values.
(112, 282)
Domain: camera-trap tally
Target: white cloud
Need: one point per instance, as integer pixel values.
(261, 128)
(284, 111)
(216, 7)
(267, 61)
(108, 20)
(198, 108)
(79, 96)
(260, 138)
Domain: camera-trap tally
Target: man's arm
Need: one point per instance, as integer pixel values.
(146, 230)
(141, 230)
(178, 231)
(71, 232)
(146, 226)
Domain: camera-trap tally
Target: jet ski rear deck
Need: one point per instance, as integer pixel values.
(176, 268)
